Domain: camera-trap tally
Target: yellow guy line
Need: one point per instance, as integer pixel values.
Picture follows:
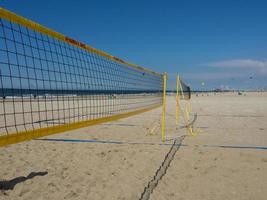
(32, 134)
(154, 126)
(5, 14)
(189, 128)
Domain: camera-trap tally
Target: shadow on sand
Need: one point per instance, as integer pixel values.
(10, 184)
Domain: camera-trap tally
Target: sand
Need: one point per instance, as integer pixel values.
(201, 168)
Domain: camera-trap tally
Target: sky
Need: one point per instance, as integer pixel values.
(209, 43)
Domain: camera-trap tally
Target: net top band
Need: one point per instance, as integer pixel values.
(5, 14)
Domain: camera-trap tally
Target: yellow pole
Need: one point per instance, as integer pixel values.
(177, 99)
(163, 108)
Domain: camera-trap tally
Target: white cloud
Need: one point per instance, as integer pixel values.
(212, 75)
(233, 70)
(257, 66)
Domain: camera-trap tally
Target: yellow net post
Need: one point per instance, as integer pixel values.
(177, 100)
(163, 108)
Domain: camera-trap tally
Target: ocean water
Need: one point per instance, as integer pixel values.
(9, 92)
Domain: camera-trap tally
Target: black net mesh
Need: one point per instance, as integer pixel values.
(48, 82)
(184, 90)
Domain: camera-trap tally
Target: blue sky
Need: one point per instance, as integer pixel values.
(220, 43)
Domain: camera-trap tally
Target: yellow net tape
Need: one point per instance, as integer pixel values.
(50, 83)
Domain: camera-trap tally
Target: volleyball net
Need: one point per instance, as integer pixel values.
(50, 83)
(183, 90)
(183, 106)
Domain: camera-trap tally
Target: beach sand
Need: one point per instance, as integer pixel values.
(201, 168)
